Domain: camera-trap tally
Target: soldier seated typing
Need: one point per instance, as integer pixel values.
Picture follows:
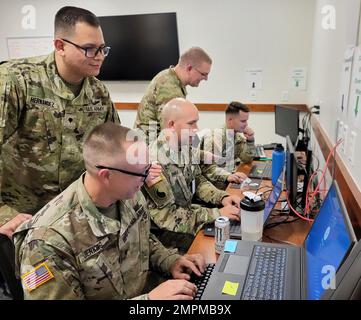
(93, 241)
(175, 218)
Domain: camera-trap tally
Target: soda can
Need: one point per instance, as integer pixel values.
(221, 233)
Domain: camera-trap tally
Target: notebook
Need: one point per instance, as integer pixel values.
(295, 272)
(235, 226)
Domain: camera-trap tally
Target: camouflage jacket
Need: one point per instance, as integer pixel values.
(170, 200)
(42, 128)
(232, 148)
(164, 87)
(89, 255)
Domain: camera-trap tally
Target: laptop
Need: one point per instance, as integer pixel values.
(295, 272)
(261, 171)
(235, 226)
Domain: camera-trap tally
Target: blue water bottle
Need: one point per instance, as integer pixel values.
(278, 161)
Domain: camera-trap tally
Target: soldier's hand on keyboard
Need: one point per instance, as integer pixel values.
(230, 211)
(232, 200)
(187, 264)
(173, 290)
(237, 177)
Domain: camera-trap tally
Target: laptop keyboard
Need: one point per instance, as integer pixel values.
(234, 226)
(261, 171)
(201, 282)
(266, 275)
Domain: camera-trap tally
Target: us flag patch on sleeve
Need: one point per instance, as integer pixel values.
(36, 277)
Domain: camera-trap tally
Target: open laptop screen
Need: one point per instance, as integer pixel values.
(273, 197)
(330, 239)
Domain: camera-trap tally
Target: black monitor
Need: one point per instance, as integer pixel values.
(141, 45)
(287, 122)
(291, 172)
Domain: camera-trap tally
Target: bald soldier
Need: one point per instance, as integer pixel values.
(176, 219)
(193, 66)
(93, 241)
(48, 104)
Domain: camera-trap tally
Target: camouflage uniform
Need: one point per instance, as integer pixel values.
(90, 255)
(42, 127)
(175, 219)
(233, 148)
(164, 87)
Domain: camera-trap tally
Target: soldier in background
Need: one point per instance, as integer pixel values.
(234, 142)
(194, 65)
(48, 104)
(93, 240)
(176, 219)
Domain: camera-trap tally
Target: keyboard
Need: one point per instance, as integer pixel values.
(201, 282)
(261, 171)
(266, 275)
(234, 226)
(259, 152)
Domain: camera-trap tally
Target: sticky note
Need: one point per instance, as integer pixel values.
(230, 246)
(230, 288)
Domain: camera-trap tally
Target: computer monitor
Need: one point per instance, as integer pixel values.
(328, 244)
(141, 45)
(306, 175)
(287, 122)
(291, 172)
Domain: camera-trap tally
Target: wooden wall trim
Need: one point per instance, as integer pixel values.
(217, 106)
(350, 192)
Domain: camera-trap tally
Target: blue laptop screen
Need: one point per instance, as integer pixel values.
(273, 198)
(326, 245)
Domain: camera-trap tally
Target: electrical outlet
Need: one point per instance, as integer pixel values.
(284, 96)
(253, 95)
(344, 137)
(352, 148)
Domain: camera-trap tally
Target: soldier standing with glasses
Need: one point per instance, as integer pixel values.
(47, 105)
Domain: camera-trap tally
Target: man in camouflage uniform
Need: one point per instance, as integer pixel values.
(234, 143)
(176, 219)
(193, 66)
(93, 240)
(47, 105)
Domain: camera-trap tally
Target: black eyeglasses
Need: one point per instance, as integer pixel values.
(90, 52)
(204, 74)
(144, 175)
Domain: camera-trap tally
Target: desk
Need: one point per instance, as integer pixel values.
(293, 233)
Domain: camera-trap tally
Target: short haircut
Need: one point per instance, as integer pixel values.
(194, 56)
(67, 17)
(235, 107)
(104, 144)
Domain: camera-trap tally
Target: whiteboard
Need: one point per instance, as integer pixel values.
(21, 47)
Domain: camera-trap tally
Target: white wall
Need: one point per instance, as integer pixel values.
(274, 35)
(328, 51)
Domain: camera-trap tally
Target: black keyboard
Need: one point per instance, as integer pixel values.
(261, 171)
(266, 275)
(201, 282)
(259, 152)
(209, 228)
(234, 226)
(269, 146)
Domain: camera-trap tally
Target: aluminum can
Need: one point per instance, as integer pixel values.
(221, 227)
